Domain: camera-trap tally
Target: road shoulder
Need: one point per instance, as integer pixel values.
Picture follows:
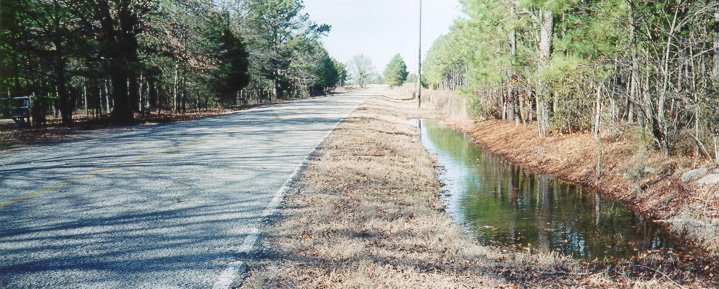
(366, 213)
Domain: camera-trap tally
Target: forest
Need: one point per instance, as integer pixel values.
(119, 58)
(649, 68)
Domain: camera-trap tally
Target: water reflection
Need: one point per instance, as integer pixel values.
(505, 204)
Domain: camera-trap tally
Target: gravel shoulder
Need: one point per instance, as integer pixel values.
(366, 213)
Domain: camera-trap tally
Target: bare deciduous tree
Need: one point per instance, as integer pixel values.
(361, 69)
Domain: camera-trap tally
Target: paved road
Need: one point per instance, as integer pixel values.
(172, 206)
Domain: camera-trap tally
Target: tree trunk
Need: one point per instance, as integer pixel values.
(13, 43)
(502, 105)
(697, 134)
(39, 111)
(152, 93)
(528, 99)
(139, 93)
(545, 52)
(107, 96)
(119, 46)
(275, 82)
(84, 95)
(634, 69)
(521, 117)
(65, 100)
(716, 73)
(539, 108)
(660, 129)
(98, 107)
(133, 90)
(514, 111)
(716, 47)
(121, 111)
(598, 111)
(647, 109)
(175, 89)
(158, 100)
(183, 91)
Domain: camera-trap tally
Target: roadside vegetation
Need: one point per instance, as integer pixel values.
(619, 95)
(613, 67)
(126, 59)
(367, 213)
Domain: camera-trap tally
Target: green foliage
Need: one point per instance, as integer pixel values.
(311, 69)
(552, 5)
(149, 55)
(396, 72)
(327, 73)
(440, 61)
(611, 61)
(232, 73)
(286, 51)
(341, 69)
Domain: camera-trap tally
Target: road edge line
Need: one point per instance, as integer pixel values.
(234, 275)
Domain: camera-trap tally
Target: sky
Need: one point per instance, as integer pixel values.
(380, 29)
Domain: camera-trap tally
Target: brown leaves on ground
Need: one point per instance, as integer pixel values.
(367, 214)
(12, 135)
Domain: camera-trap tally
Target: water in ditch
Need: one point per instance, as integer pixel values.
(504, 204)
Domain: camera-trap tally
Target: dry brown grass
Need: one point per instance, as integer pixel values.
(367, 214)
(444, 103)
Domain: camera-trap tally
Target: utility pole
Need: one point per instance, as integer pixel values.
(419, 66)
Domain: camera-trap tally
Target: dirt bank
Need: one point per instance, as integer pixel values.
(367, 213)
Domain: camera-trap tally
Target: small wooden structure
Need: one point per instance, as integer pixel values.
(16, 108)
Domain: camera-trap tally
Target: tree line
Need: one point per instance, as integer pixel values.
(580, 65)
(362, 72)
(118, 58)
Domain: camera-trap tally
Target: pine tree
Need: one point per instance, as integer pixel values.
(396, 72)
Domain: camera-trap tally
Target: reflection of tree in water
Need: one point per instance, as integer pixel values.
(513, 200)
(506, 204)
(544, 213)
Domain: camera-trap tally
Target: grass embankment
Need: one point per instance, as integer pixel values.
(367, 213)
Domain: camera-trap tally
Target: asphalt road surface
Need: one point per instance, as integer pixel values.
(171, 206)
